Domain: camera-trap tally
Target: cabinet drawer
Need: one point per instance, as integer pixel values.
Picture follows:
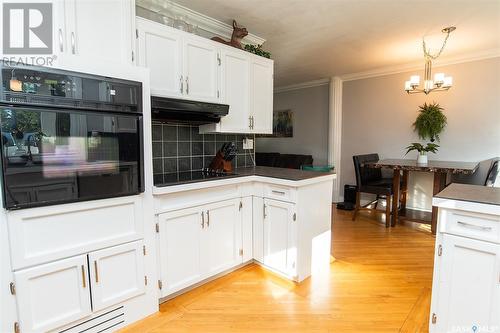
(471, 225)
(281, 193)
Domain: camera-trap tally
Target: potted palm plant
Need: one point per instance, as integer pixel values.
(422, 151)
(429, 124)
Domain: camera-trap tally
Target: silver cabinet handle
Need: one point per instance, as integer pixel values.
(61, 48)
(187, 85)
(202, 220)
(253, 122)
(278, 192)
(96, 272)
(84, 280)
(250, 122)
(473, 226)
(208, 218)
(264, 211)
(181, 83)
(73, 47)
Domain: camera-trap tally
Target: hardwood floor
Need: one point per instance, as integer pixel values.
(379, 282)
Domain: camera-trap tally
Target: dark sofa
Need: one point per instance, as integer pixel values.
(290, 161)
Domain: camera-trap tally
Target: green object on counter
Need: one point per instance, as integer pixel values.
(322, 168)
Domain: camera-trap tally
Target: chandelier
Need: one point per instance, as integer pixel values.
(440, 82)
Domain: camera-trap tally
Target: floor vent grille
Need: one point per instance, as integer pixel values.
(106, 322)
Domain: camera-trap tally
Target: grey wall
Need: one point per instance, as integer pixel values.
(377, 116)
(310, 124)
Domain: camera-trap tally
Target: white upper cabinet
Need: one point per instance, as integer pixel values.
(117, 274)
(160, 51)
(100, 30)
(94, 30)
(261, 95)
(466, 291)
(200, 69)
(235, 89)
(53, 295)
(191, 67)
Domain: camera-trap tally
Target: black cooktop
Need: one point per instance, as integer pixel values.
(190, 176)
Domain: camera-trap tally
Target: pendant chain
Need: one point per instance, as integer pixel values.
(427, 53)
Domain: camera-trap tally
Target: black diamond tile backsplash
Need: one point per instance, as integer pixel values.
(180, 149)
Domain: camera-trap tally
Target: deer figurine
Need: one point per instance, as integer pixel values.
(238, 34)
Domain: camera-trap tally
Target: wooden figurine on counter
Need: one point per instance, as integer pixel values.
(238, 34)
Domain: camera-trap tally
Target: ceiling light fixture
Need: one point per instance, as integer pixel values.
(440, 82)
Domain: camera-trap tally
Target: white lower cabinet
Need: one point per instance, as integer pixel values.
(118, 274)
(280, 249)
(56, 294)
(180, 238)
(198, 242)
(52, 295)
(258, 229)
(466, 290)
(221, 237)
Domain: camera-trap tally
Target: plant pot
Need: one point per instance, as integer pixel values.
(422, 159)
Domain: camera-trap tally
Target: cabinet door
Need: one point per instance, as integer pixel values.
(261, 95)
(100, 30)
(235, 89)
(246, 213)
(200, 69)
(469, 287)
(221, 240)
(160, 50)
(117, 274)
(53, 295)
(279, 245)
(180, 237)
(258, 228)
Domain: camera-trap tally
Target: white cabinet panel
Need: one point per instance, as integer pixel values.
(43, 234)
(221, 237)
(100, 30)
(261, 95)
(52, 295)
(180, 233)
(117, 274)
(468, 285)
(279, 246)
(246, 213)
(160, 50)
(235, 89)
(258, 228)
(200, 69)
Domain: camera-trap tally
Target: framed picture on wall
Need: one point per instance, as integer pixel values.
(282, 124)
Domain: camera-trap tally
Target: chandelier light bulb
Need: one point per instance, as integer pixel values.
(447, 81)
(415, 80)
(408, 86)
(439, 78)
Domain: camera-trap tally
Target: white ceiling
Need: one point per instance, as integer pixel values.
(313, 39)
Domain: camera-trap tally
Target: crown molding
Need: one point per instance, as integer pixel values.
(303, 85)
(204, 22)
(493, 53)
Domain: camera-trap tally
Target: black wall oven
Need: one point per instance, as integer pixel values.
(68, 137)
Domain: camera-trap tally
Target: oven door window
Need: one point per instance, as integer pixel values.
(54, 156)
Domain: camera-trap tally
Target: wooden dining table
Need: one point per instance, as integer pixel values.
(440, 169)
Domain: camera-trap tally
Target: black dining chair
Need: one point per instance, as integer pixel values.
(370, 180)
(485, 175)
(493, 173)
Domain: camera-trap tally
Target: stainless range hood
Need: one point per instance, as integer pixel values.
(184, 111)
